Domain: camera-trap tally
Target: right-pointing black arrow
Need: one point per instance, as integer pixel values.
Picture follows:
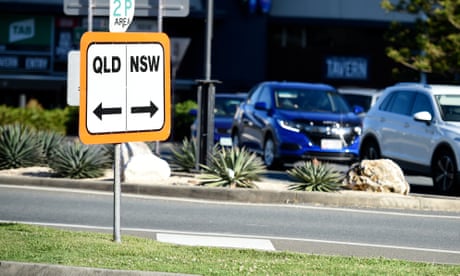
(99, 111)
(152, 109)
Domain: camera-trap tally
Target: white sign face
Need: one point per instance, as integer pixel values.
(125, 84)
(73, 78)
(147, 8)
(121, 15)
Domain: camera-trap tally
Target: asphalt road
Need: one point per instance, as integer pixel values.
(409, 235)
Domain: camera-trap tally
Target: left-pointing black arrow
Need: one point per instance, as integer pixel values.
(99, 111)
(152, 109)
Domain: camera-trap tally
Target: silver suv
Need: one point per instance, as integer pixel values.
(417, 126)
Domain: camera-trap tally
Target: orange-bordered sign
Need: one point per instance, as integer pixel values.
(125, 87)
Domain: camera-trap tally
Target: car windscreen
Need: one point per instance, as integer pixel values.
(358, 100)
(311, 100)
(226, 106)
(449, 107)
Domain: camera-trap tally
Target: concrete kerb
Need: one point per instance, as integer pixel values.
(8, 268)
(350, 199)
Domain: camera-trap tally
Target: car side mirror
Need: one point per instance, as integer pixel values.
(357, 109)
(260, 106)
(423, 116)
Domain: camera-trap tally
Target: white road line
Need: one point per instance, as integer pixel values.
(230, 242)
(217, 235)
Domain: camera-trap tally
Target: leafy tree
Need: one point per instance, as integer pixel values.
(432, 44)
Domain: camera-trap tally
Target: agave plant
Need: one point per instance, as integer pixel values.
(75, 160)
(315, 176)
(232, 167)
(49, 141)
(185, 156)
(19, 147)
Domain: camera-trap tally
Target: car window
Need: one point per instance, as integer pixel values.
(339, 105)
(422, 103)
(226, 106)
(287, 99)
(265, 96)
(359, 100)
(401, 102)
(449, 107)
(253, 95)
(386, 103)
(310, 100)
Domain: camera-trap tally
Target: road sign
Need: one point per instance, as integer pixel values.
(125, 87)
(121, 15)
(171, 8)
(73, 78)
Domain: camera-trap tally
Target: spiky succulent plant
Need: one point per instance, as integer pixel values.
(49, 142)
(232, 167)
(19, 147)
(315, 176)
(75, 160)
(185, 156)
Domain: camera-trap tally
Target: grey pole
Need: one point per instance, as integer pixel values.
(209, 18)
(117, 193)
(160, 29)
(90, 15)
(206, 93)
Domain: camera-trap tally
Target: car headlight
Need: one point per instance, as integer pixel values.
(358, 130)
(289, 125)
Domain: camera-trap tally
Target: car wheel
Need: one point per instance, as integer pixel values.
(369, 150)
(269, 154)
(444, 172)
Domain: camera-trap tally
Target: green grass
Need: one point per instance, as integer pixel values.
(35, 244)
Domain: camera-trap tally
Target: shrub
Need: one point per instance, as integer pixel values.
(183, 119)
(75, 160)
(71, 120)
(19, 147)
(315, 176)
(185, 156)
(232, 167)
(35, 117)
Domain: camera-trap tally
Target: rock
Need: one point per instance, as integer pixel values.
(140, 165)
(380, 175)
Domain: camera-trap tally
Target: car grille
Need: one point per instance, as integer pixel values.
(316, 131)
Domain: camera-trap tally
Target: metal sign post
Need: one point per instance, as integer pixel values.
(132, 111)
(116, 105)
(117, 194)
(121, 16)
(206, 98)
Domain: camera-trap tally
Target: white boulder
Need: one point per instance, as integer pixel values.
(140, 165)
(380, 175)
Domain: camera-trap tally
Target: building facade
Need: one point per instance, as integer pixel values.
(333, 41)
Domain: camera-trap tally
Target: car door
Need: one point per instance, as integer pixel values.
(417, 145)
(393, 119)
(256, 121)
(250, 122)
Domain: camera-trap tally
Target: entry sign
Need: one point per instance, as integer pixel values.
(121, 15)
(125, 87)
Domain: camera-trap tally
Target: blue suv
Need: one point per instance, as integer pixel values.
(290, 121)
